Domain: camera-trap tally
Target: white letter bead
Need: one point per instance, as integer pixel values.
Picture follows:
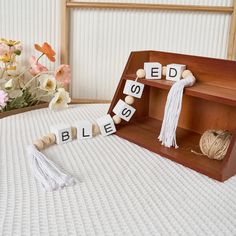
(124, 110)
(106, 125)
(153, 70)
(62, 132)
(174, 71)
(84, 129)
(133, 88)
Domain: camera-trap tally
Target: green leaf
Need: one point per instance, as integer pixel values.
(17, 52)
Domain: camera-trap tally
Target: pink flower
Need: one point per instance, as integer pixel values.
(3, 49)
(3, 98)
(63, 74)
(36, 67)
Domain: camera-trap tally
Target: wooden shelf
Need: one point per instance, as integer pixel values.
(208, 105)
(144, 132)
(201, 90)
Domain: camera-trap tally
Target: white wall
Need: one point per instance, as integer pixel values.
(101, 40)
(31, 21)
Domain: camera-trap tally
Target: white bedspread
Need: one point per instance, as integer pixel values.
(123, 189)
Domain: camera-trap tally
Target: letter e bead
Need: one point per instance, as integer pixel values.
(106, 125)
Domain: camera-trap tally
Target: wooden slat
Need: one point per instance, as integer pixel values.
(144, 6)
(45, 104)
(231, 54)
(65, 18)
(88, 101)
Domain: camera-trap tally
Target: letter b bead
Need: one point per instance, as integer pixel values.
(62, 132)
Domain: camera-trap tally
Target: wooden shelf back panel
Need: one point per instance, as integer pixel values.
(195, 114)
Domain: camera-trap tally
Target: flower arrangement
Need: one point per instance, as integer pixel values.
(22, 86)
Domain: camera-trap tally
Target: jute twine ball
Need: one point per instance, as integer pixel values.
(164, 70)
(116, 119)
(129, 100)
(215, 143)
(140, 73)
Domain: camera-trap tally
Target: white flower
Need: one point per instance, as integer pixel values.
(9, 84)
(16, 69)
(47, 82)
(60, 100)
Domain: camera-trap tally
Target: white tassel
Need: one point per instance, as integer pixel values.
(172, 111)
(46, 172)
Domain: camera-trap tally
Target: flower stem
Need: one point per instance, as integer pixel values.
(4, 70)
(39, 58)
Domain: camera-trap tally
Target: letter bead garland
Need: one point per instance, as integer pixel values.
(52, 178)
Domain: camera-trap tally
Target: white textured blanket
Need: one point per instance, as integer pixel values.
(123, 189)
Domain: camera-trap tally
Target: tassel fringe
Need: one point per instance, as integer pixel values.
(172, 111)
(46, 172)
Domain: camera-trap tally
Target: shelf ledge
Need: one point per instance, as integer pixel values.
(201, 90)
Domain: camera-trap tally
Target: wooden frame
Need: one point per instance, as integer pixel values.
(66, 5)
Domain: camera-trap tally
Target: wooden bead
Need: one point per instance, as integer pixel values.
(46, 140)
(186, 73)
(140, 73)
(52, 138)
(164, 70)
(96, 129)
(39, 144)
(129, 100)
(74, 132)
(116, 119)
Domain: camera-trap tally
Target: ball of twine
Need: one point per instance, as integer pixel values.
(215, 143)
